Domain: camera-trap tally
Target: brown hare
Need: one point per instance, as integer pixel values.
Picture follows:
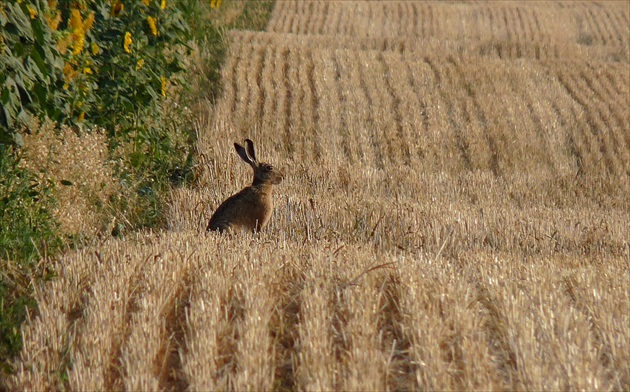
(250, 208)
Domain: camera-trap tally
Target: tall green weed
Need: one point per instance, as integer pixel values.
(27, 233)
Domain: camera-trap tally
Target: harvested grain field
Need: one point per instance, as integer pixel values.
(455, 215)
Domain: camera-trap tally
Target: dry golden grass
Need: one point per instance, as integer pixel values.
(455, 216)
(84, 162)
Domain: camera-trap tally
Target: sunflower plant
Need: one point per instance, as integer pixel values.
(31, 68)
(141, 51)
(96, 62)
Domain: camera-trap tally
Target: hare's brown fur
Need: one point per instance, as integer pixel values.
(252, 207)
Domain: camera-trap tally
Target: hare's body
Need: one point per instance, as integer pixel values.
(251, 208)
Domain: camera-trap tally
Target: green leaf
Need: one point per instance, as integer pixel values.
(32, 70)
(10, 100)
(136, 159)
(17, 139)
(3, 19)
(152, 93)
(21, 21)
(38, 31)
(37, 58)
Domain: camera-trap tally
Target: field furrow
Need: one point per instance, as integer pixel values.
(535, 117)
(98, 349)
(210, 321)
(144, 355)
(369, 118)
(583, 23)
(428, 308)
(311, 107)
(392, 116)
(488, 47)
(581, 91)
(500, 346)
(254, 365)
(458, 135)
(532, 23)
(333, 120)
(613, 34)
(364, 365)
(480, 130)
(600, 350)
(285, 334)
(228, 76)
(261, 92)
(269, 91)
(591, 31)
(611, 110)
(408, 112)
(301, 104)
(318, 365)
(48, 336)
(591, 295)
(242, 91)
(393, 331)
(425, 126)
(285, 101)
(344, 125)
(620, 22)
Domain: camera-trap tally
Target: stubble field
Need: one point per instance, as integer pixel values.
(455, 215)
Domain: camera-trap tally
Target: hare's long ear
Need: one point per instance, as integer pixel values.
(243, 154)
(250, 150)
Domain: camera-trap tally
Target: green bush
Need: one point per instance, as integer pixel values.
(25, 210)
(27, 232)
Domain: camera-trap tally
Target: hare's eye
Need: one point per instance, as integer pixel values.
(269, 168)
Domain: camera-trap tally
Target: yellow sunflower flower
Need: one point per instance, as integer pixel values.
(75, 21)
(127, 43)
(95, 49)
(70, 72)
(89, 21)
(54, 19)
(32, 11)
(78, 32)
(152, 25)
(79, 41)
(163, 4)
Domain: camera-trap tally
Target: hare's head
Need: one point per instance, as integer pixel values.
(264, 173)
